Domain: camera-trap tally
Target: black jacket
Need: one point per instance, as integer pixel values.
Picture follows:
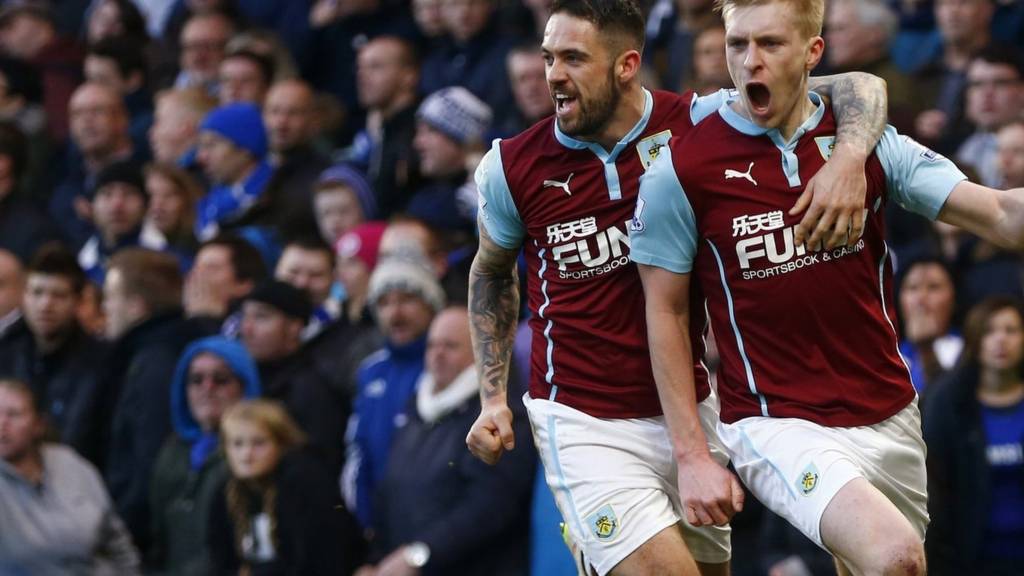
(305, 392)
(959, 496)
(316, 535)
(474, 517)
(65, 381)
(136, 411)
(24, 228)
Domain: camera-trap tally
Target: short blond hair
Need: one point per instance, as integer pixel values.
(809, 15)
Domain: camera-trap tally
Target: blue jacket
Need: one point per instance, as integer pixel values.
(386, 381)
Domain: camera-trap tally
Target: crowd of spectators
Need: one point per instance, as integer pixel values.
(234, 247)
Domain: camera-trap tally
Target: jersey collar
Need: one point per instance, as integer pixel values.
(597, 149)
(745, 126)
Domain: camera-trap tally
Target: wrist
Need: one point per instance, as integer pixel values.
(850, 152)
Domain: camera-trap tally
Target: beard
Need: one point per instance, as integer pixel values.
(594, 114)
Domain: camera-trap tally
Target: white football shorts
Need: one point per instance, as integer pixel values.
(614, 480)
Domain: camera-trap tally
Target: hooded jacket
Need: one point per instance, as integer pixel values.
(190, 468)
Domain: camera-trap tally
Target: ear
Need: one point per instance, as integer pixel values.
(627, 66)
(815, 49)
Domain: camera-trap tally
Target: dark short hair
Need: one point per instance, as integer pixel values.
(616, 16)
(264, 63)
(246, 260)
(127, 53)
(54, 259)
(1001, 54)
(312, 244)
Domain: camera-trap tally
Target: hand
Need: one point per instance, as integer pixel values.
(394, 564)
(929, 124)
(922, 327)
(491, 434)
(836, 198)
(710, 493)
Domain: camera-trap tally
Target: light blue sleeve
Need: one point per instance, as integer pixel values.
(919, 179)
(664, 229)
(497, 209)
(704, 106)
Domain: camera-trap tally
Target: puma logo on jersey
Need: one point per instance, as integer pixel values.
(562, 185)
(730, 174)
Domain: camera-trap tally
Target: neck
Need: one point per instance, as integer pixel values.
(397, 104)
(49, 343)
(624, 119)
(94, 162)
(30, 465)
(999, 388)
(957, 55)
(801, 111)
(245, 174)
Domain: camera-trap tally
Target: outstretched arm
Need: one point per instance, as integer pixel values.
(710, 493)
(995, 215)
(833, 201)
(493, 311)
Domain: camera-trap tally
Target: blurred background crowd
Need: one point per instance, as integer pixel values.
(234, 247)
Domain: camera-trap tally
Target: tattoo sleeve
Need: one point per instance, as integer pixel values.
(493, 312)
(859, 101)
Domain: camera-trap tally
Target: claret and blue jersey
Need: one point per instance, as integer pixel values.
(569, 204)
(804, 334)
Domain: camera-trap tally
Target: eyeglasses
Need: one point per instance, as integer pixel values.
(219, 379)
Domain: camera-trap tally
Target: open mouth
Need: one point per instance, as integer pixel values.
(564, 103)
(759, 98)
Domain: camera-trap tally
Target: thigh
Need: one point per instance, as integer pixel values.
(861, 524)
(663, 554)
(610, 479)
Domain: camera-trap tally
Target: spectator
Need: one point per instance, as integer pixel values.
(710, 72)
(203, 39)
(449, 140)
(671, 50)
(291, 121)
(226, 269)
(55, 355)
(927, 303)
(388, 74)
(120, 63)
(211, 376)
(270, 45)
(974, 429)
(244, 76)
(119, 214)
(28, 33)
(404, 297)
(429, 19)
(99, 130)
(441, 510)
(21, 97)
(964, 28)
(172, 194)
(308, 264)
(1010, 151)
(12, 284)
(526, 74)
(995, 95)
(278, 512)
(412, 237)
(115, 19)
(175, 131)
(232, 152)
(473, 56)
(342, 199)
(55, 514)
(23, 227)
(356, 253)
(142, 301)
(860, 34)
(274, 315)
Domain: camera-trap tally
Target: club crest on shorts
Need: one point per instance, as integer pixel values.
(603, 523)
(808, 480)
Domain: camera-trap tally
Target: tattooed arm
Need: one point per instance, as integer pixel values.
(834, 198)
(493, 311)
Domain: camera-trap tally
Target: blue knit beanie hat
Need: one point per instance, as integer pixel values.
(240, 123)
